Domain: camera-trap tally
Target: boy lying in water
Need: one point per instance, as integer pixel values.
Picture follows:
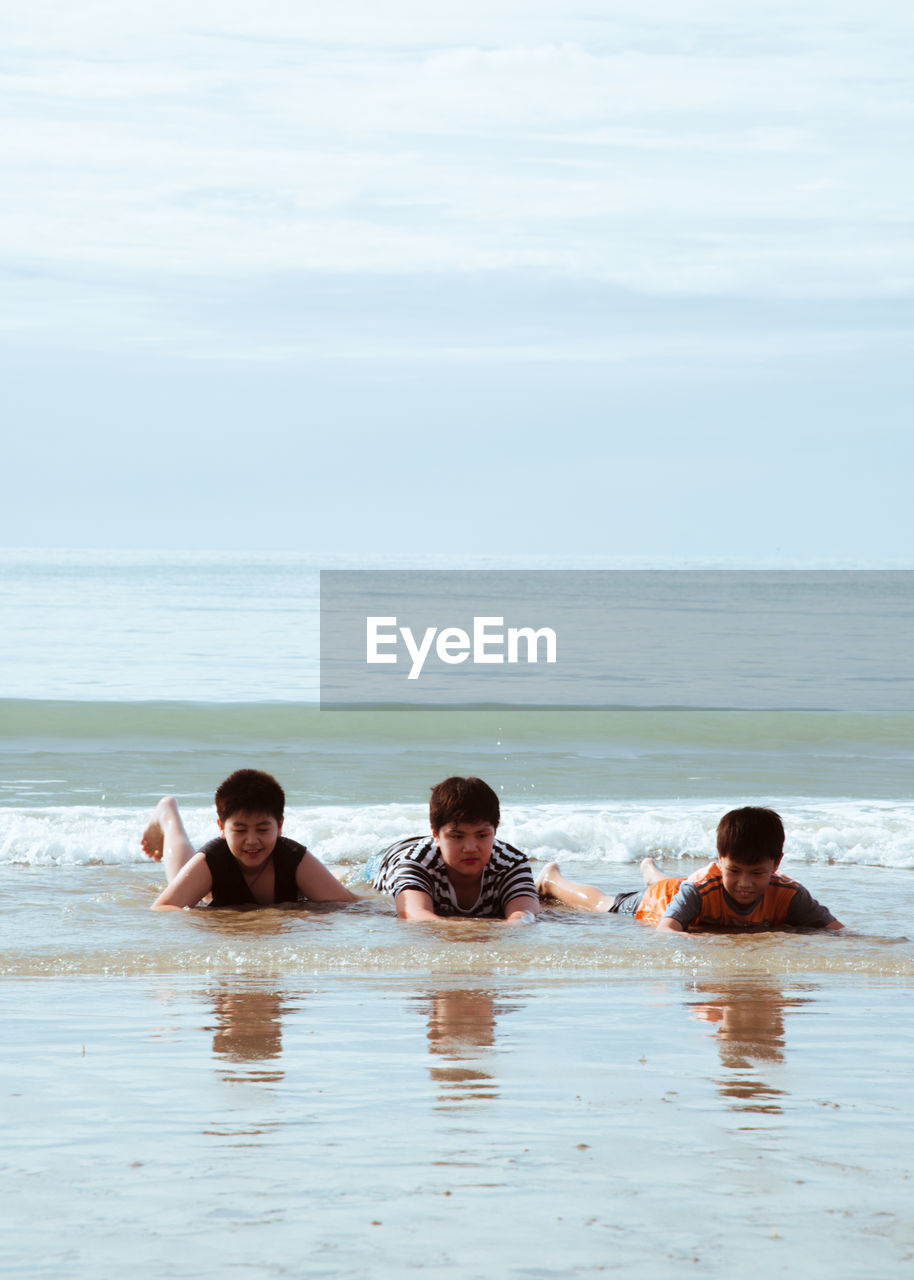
(461, 869)
(741, 890)
(252, 864)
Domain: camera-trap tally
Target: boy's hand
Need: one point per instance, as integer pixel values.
(522, 910)
(668, 925)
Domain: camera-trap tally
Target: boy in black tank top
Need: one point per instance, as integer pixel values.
(251, 864)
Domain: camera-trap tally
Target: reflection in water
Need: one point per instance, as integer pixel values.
(461, 1034)
(750, 1018)
(248, 1034)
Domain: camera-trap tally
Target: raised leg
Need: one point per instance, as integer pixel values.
(586, 897)
(165, 839)
(651, 871)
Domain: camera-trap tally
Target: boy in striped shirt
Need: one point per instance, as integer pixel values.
(461, 870)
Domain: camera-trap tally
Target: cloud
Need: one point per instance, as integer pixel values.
(667, 150)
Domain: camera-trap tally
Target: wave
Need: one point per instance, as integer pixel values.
(842, 832)
(62, 753)
(202, 724)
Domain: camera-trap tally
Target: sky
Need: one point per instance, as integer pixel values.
(620, 280)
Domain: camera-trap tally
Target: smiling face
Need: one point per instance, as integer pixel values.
(466, 848)
(251, 837)
(746, 883)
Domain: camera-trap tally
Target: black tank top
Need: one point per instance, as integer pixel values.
(230, 889)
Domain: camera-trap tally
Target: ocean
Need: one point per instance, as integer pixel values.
(333, 1092)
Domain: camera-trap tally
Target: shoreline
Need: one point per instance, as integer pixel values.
(94, 922)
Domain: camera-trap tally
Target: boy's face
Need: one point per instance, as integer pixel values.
(251, 837)
(746, 882)
(466, 848)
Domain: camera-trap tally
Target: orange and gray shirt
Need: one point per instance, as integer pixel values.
(702, 902)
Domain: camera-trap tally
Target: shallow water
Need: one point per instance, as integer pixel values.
(95, 921)
(531, 1126)
(334, 1093)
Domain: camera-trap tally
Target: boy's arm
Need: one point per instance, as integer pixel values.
(192, 883)
(522, 910)
(806, 913)
(517, 888)
(666, 924)
(318, 884)
(413, 904)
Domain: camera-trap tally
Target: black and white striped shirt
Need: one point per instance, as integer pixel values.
(416, 863)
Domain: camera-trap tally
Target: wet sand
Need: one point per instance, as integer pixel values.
(335, 1093)
(173, 1125)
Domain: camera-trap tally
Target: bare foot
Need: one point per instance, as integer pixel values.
(152, 841)
(650, 871)
(544, 877)
(165, 839)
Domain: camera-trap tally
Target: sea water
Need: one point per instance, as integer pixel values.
(332, 1092)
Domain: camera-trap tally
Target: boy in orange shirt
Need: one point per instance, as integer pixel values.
(742, 890)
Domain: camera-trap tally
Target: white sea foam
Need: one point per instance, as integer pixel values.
(845, 832)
